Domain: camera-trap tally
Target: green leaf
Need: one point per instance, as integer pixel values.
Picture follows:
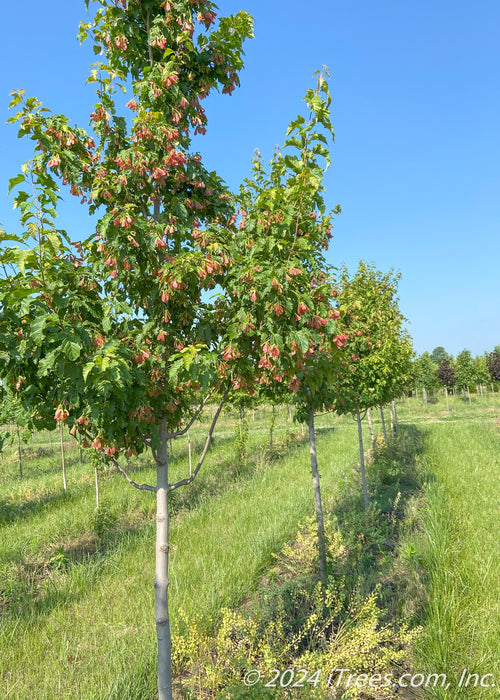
(71, 349)
(87, 369)
(106, 324)
(16, 181)
(302, 340)
(295, 124)
(37, 327)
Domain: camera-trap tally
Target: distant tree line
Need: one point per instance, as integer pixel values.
(439, 369)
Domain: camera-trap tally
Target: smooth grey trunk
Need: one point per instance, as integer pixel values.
(96, 482)
(447, 402)
(317, 502)
(19, 453)
(424, 393)
(362, 460)
(189, 455)
(161, 570)
(273, 419)
(396, 422)
(391, 413)
(383, 425)
(372, 432)
(468, 394)
(63, 461)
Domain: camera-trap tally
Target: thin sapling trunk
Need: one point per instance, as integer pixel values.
(383, 425)
(372, 432)
(63, 461)
(189, 454)
(96, 482)
(396, 424)
(362, 460)
(19, 453)
(161, 570)
(317, 502)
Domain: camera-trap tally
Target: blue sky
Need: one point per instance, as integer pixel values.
(416, 111)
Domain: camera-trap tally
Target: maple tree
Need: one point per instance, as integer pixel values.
(377, 350)
(493, 364)
(465, 370)
(276, 310)
(445, 373)
(111, 335)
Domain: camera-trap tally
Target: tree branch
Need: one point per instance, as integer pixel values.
(189, 479)
(146, 440)
(170, 436)
(141, 487)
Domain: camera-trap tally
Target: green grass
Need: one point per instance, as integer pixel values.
(87, 626)
(460, 554)
(76, 594)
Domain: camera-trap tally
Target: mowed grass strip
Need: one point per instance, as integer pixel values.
(461, 556)
(100, 641)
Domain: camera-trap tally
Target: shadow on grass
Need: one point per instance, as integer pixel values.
(39, 585)
(377, 540)
(11, 511)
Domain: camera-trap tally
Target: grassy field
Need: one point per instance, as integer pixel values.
(76, 594)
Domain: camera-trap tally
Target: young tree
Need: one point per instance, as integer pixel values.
(481, 371)
(13, 413)
(465, 371)
(376, 357)
(111, 335)
(438, 354)
(493, 364)
(425, 374)
(446, 376)
(277, 301)
(445, 373)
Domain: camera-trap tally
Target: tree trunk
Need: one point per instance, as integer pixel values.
(424, 393)
(392, 420)
(317, 502)
(161, 570)
(468, 394)
(189, 454)
(362, 460)
(447, 403)
(372, 432)
(63, 461)
(19, 454)
(396, 422)
(273, 419)
(96, 481)
(383, 425)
